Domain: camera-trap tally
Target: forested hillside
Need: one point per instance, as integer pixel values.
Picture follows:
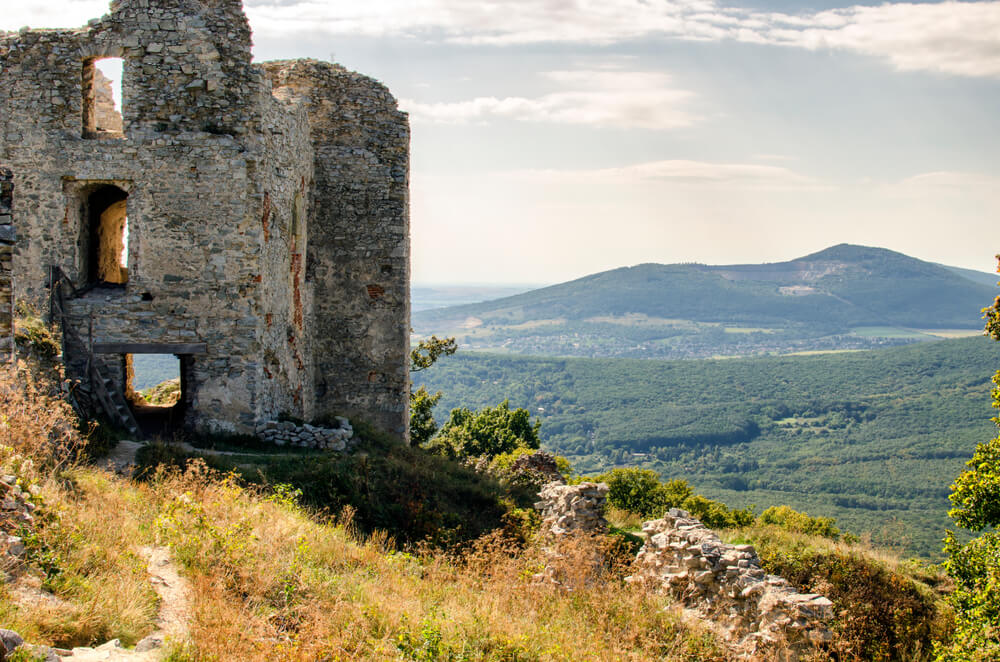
(844, 297)
(871, 438)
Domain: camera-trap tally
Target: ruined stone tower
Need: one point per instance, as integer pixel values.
(251, 219)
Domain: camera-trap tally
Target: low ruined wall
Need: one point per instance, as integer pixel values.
(573, 508)
(6, 259)
(755, 612)
(286, 433)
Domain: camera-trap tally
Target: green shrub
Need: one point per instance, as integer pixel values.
(975, 567)
(408, 493)
(486, 433)
(792, 520)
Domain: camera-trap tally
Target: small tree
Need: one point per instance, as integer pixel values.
(975, 566)
(486, 433)
(422, 402)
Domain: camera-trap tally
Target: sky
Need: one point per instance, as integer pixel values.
(556, 138)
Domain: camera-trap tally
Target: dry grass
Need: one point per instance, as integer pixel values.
(82, 547)
(274, 583)
(271, 581)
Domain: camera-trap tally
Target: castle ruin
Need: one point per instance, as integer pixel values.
(251, 219)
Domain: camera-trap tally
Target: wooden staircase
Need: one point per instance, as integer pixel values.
(108, 394)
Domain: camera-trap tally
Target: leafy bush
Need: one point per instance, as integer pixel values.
(422, 423)
(487, 432)
(640, 491)
(792, 520)
(975, 566)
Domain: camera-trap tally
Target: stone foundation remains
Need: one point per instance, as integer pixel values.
(754, 611)
(569, 509)
(286, 433)
(252, 219)
(16, 508)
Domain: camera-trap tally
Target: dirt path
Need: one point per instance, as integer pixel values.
(171, 618)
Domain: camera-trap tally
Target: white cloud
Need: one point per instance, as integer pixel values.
(48, 14)
(596, 98)
(952, 37)
(968, 186)
(730, 176)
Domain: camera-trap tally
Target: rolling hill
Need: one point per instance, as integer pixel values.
(844, 297)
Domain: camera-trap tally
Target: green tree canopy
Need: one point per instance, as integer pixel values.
(487, 432)
(975, 566)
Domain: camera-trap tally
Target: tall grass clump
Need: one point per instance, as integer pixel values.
(81, 580)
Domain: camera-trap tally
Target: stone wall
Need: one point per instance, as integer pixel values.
(6, 258)
(106, 116)
(286, 433)
(358, 258)
(570, 509)
(269, 226)
(754, 611)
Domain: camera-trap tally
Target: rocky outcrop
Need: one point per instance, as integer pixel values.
(752, 610)
(572, 519)
(538, 468)
(6, 258)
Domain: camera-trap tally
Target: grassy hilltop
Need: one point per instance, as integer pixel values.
(269, 577)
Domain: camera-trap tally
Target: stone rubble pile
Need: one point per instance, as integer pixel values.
(573, 508)
(755, 612)
(16, 510)
(286, 433)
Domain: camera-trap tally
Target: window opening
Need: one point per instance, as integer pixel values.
(102, 98)
(107, 241)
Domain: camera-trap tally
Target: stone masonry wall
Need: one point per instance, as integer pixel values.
(754, 611)
(357, 262)
(270, 226)
(573, 508)
(6, 258)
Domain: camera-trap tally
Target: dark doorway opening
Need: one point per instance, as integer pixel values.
(106, 236)
(155, 391)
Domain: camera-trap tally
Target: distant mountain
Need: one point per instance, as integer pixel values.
(843, 297)
(981, 277)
